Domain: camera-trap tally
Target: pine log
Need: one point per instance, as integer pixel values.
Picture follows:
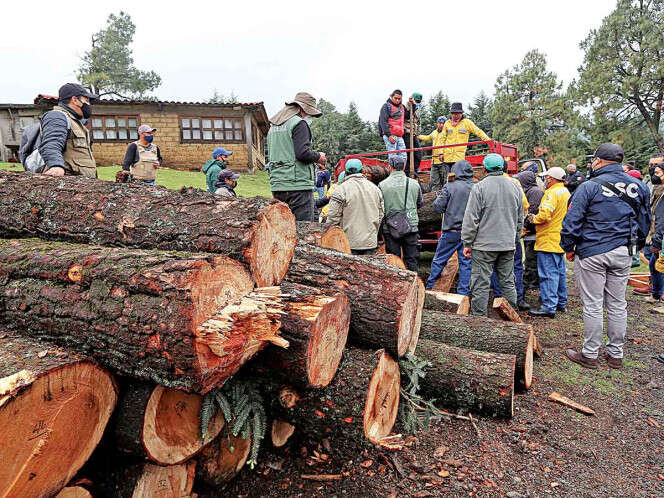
(468, 380)
(54, 406)
(449, 303)
(280, 432)
(484, 334)
(383, 299)
(323, 235)
(148, 480)
(222, 460)
(502, 307)
(446, 280)
(360, 404)
(428, 220)
(316, 328)
(161, 424)
(389, 260)
(74, 492)
(256, 231)
(421, 297)
(171, 318)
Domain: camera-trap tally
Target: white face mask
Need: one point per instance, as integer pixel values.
(309, 119)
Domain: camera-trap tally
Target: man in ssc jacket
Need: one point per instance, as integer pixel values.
(457, 130)
(437, 138)
(391, 123)
(66, 146)
(143, 157)
(292, 162)
(607, 216)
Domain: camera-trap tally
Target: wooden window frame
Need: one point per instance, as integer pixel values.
(103, 128)
(223, 129)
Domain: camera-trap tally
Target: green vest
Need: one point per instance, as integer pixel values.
(286, 172)
(394, 191)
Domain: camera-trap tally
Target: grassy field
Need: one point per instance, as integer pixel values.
(248, 185)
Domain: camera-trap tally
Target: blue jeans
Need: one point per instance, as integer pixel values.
(656, 278)
(398, 144)
(448, 244)
(553, 285)
(321, 192)
(518, 275)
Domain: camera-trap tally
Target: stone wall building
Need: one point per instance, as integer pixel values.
(187, 132)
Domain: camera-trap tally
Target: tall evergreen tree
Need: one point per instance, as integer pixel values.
(480, 112)
(437, 105)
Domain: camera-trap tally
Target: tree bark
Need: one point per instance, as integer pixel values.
(256, 231)
(383, 299)
(161, 424)
(164, 317)
(323, 235)
(449, 303)
(222, 460)
(483, 334)
(148, 480)
(389, 260)
(45, 393)
(473, 381)
(316, 328)
(361, 403)
(428, 220)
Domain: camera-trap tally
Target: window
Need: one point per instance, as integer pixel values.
(213, 129)
(114, 128)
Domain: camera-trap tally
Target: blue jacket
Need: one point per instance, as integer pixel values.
(55, 130)
(453, 197)
(658, 217)
(597, 221)
(323, 178)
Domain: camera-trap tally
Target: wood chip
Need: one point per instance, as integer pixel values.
(41, 354)
(558, 398)
(321, 477)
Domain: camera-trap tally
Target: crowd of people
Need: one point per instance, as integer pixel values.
(599, 222)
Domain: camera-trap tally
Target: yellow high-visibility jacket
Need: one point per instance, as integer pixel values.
(329, 193)
(459, 134)
(437, 138)
(549, 219)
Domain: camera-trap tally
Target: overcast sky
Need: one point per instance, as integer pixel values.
(266, 51)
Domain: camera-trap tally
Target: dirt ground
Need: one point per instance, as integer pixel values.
(545, 450)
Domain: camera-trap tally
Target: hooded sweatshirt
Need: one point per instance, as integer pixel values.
(211, 169)
(453, 197)
(534, 196)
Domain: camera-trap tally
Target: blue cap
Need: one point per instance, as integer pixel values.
(353, 166)
(493, 162)
(441, 119)
(221, 151)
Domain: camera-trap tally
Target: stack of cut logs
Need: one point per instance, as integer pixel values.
(122, 305)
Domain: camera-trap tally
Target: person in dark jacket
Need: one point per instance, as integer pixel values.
(392, 122)
(213, 167)
(656, 230)
(322, 180)
(597, 234)
(573, 178)
(451, 202)
(226, 183)
(66, 145)
(414, 104)
(534, 195)
(142, 157)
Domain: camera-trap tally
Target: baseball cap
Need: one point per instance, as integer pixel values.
(396, 161)
(227, 174)
(353, 166)
(146, 129)
(493, 162)
(610, 152)
(555, 172)
(417, 97)
(69, 90)
(221, 151)
(635, 173)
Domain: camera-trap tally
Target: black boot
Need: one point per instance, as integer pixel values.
(523, 305)
(541, 312)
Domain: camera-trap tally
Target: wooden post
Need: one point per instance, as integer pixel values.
(412, 140)
(250, 140)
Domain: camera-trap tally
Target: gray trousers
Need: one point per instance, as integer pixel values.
(602, 281)
(437, 176)
(483, 264)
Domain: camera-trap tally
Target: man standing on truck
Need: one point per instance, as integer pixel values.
(391, 123)
(292, 162)
(414, 103)
(437, 138)
(457, 130)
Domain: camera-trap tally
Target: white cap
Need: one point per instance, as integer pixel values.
(555, 172)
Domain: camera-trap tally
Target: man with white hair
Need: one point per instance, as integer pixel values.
(573, 178)
(550, 256)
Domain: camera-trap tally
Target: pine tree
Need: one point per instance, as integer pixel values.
(437, 105)
(480, 112)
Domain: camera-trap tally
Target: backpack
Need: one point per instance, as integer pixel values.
(28, 152)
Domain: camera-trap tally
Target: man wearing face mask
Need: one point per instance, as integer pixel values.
(143, 158)
(292, 162)
(66, 147)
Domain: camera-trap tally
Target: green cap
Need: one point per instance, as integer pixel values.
(417, 97)
(493, 162)
(353, 166)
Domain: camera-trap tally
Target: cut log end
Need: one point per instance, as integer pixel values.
(335, 238)
(407, 320)
(51, 424)
(281, 432)
(528, 362)
(382, 402)
(74, 492)
(222, 460)
(421, 297)
(171, 426)
(173, 480)
(273, 243)
(328, 338)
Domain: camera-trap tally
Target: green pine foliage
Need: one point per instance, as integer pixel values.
(243, 409)
(415, 412)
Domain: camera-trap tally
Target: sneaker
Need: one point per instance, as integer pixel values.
(561, 309)
(642, 291)
(651, 299)
(541, 312)
(613, 362)
(577, 357)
